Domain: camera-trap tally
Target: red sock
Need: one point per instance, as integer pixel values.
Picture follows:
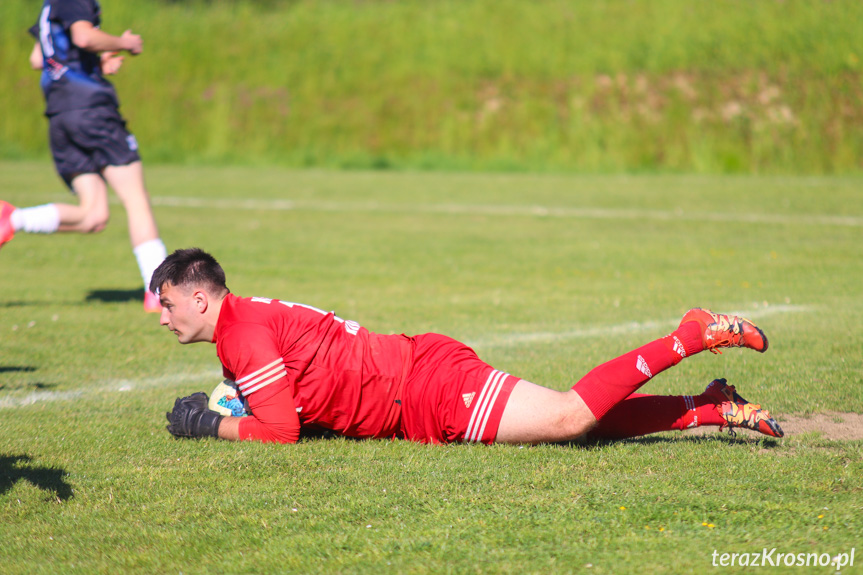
(615, 380)
(640, 414)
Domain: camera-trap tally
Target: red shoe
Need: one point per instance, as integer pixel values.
(720, 330)
(7, 232)
(151, 302)
(737, 412)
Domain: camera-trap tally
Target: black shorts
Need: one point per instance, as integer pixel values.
(87, 141)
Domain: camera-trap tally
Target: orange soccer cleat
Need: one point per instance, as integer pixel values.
(7, 232)
(721, 330)
(737, 412)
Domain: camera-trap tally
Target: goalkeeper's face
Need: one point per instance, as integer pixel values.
(183, 313)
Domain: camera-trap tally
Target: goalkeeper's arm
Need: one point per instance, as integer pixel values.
(277, 419)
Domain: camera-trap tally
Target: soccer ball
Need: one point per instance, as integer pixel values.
(226, 400)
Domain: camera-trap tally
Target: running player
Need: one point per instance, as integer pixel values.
(302, 368)
(89, 140)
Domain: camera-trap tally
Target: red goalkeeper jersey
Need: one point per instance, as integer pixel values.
(298, 365)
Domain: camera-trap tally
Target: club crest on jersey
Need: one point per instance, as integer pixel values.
(642, 366)
(468, 398)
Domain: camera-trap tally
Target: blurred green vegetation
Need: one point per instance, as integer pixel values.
(605, 86)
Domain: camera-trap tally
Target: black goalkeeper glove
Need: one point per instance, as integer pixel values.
(192, 418)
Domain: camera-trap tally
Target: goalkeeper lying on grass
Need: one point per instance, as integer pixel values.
(298, 367)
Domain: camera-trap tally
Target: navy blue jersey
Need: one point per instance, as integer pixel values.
(71, 78)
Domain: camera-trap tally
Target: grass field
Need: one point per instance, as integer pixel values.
(545, 275)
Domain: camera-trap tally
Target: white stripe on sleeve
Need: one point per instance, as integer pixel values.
(263, 369)
(262, 377)
(276, 377)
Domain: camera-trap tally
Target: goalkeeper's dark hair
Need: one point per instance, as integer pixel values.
(190, 267)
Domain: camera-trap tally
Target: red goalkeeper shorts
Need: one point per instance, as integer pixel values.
(451, 395)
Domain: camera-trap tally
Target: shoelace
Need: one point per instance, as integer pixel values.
(725, 324)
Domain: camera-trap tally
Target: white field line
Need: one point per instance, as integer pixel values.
(110, 386)
(506, 340)
(505, 210)
(125, 385)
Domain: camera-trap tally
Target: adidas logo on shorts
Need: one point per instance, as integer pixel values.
(468, 398)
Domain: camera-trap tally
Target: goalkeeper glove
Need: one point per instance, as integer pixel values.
(192, 418)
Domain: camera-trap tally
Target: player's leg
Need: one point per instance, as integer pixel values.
(536, 414)
(642, 414)
(612, 382)
(76, 165)
(124, 172)
(90, 215)
(128, 182)
(719, 405)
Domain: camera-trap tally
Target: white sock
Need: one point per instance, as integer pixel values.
(149, 255)
(43, 219)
